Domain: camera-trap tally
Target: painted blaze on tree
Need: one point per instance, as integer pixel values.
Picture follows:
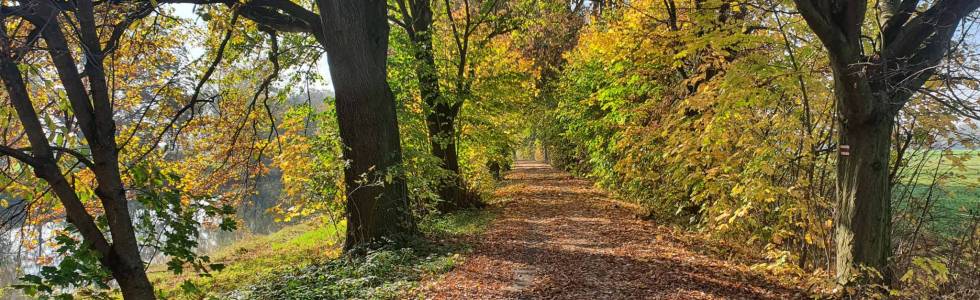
(872, 83)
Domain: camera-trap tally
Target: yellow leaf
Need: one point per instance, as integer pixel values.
(737, 189)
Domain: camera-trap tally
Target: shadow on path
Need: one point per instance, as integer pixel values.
(557, 237)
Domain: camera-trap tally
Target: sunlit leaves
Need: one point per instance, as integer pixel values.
(696, 121)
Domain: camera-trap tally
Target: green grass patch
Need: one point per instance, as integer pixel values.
(389, 273)
(956, 168)
(308, 240)
(381, 274)
(303, 262)
(254, 258)
(951, 180)
(460, 223)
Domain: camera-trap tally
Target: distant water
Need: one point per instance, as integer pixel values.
(15, 260)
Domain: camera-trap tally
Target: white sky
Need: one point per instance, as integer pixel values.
(185, 10)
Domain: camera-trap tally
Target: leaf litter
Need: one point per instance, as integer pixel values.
(558, 237)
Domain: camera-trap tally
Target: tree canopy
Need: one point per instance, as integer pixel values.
(837, 138)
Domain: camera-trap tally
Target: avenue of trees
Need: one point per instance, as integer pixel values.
(823, 130)
(832, 136)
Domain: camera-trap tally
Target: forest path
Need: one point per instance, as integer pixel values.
(557, 237)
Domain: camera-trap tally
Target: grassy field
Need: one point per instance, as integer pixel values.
(951, 180)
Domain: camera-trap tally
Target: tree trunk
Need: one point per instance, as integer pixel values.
(442, 138)
(133, 282)
(440, 114)
(93, 110)
(377, 197)
(125, 261)
(912, 46)
(863, 216)
(440, 120)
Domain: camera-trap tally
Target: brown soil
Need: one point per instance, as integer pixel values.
(557, 237)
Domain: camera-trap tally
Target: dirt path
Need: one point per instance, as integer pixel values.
(556, 237)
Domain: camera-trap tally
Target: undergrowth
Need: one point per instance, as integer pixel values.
(304, 262)
(381, 274)
(251, 259)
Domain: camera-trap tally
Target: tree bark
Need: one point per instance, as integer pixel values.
(442, 138)
(133, 282)
(377, 196)
(94, 112)
(870, 90)
(440, 118)
(863, 215)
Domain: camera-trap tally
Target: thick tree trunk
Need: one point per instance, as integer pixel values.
(133, 282)
(871, 87)
(377, 197)
(863, 216)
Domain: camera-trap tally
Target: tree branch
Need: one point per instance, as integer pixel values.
(897, 15)
(829, 33)
(19, 155)
(910, 37)
(279, 15)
